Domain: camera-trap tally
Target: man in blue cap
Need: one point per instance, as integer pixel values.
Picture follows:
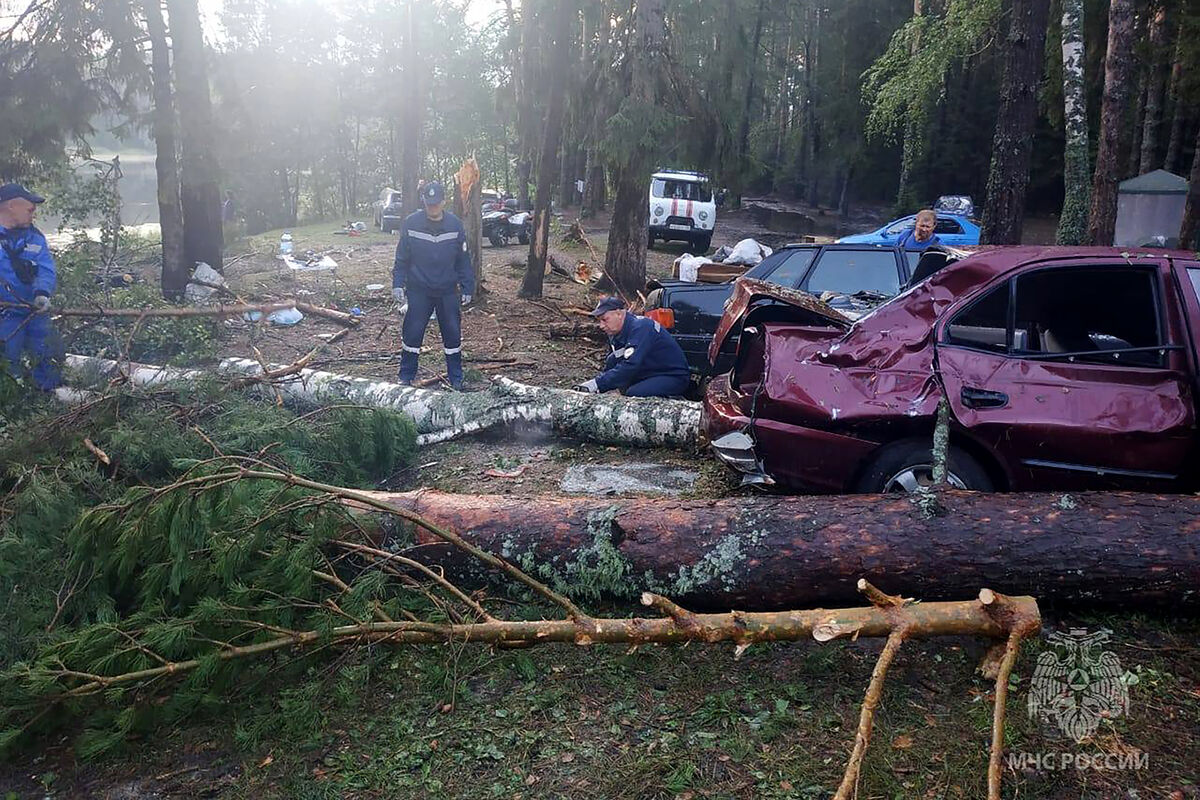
(27, 279)
(646, 361)
(433, 274)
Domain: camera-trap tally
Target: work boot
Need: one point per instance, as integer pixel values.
(454, 369)
(408, 367)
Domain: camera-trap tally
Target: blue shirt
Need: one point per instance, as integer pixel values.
(26, 266)
(641, 349)
(432, 256)
(908, 241)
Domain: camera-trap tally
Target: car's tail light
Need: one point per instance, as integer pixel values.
(663, 316)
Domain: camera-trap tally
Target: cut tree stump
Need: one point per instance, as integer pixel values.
(439, 416)
(791, 552)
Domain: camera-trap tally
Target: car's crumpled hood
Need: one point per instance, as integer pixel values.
(883, 364)
(746, 291)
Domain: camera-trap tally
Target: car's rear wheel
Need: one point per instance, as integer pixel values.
(496, 239)
(650, 242)
(908, 466)
(523, 236)
(703, 243)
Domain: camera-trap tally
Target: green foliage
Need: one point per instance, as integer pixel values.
(104, 574)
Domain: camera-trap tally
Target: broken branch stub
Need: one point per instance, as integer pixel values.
(441, 416)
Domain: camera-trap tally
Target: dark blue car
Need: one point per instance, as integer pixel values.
(853, 277)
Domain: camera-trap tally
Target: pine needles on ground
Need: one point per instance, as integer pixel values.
(89, 587)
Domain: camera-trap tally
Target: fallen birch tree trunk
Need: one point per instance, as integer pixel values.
(439, 416)
(792, 552)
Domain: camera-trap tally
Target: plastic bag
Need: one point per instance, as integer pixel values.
(689, 267)
(197, 294)
(748, 252)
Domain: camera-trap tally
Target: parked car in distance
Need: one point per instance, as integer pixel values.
(389, 211)
(1062, 369)
(952, 230)
(861, 276)
(682, 209)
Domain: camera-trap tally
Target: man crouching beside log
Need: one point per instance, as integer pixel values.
(646, 361)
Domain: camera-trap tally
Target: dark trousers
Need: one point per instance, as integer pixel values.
(21, 331)
(659, 386)
(421, 306)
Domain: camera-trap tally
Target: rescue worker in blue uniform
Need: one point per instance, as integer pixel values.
(433, 275)
(27, 279)
(646, 361)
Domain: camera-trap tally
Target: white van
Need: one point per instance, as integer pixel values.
(682, 209)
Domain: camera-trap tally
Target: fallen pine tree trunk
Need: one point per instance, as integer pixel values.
(439, 416)
(792, 552)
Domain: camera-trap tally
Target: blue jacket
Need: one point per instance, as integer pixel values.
(641, 349)
(26, 266)
(432, 256)
(909, 242)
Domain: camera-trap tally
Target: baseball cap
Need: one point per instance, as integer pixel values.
(12, 190)
(432, 193)
(607, 304)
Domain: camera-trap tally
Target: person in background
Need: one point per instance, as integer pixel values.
(432, 274)
(921, 236)
(27, 280)
(646, 361)
(228, 208)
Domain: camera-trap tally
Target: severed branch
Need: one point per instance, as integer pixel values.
(232, 310)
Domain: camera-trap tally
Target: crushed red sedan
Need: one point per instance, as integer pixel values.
(1063, 369)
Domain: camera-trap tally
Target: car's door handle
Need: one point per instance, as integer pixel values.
(982, 398)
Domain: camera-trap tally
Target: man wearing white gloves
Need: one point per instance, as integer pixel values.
(646, 361)
(27, 279)
(432, 274)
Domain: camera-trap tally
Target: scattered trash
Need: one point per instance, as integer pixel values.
(689, 267)
(375, 287)
(599, 479)
(352, 229)
(356, 311)
(285, 244)
(747, 251)
(500, 473)
(284, 316)
(311, 263)
(197, 293)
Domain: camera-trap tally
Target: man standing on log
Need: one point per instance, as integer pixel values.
(27, 279)
(646, 361)
(433, 274)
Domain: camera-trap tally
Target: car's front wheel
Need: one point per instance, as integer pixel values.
(908, 466)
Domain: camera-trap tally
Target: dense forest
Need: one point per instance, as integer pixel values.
(307, 110)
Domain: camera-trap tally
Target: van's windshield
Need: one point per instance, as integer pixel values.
(698, 191)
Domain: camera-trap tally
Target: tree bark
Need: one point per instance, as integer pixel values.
(441, 416)
(1178, 109)
(1012, 144)
(1111, 549)
(1191, 210)
(1072, 225)
(1118, 68)
(175, 271)
(470, 211)
(200, 198)
(625, 260)
(1156, 79)
(914, 139)
(539, 243)
(411, 114)
(524, 77)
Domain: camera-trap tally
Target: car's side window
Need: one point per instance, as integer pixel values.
(948, 226)
(790, 271)
(853, 271)
(900, 226)
(984, 323)
(1096, 314)
(1194, 274)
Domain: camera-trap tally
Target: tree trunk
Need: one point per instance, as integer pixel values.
(175, 268)
(1178, 108)
(1117, 549)
(441, 416)
(539, 243)
(1118, 68)
(1072, 225)
(411, 114)
(1156, 84)
(914, 138)
(625, 261)
(470, 211)
(526, 126)
(1012, 144)
(1191, 210)
(200, 198)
